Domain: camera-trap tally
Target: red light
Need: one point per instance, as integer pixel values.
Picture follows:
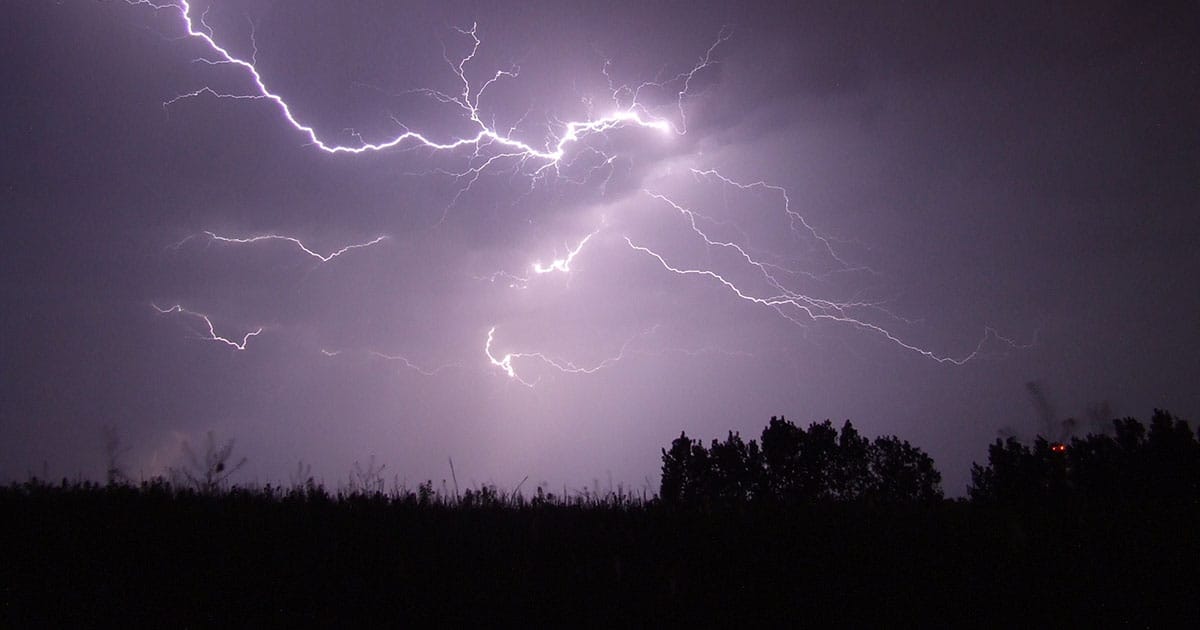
(1059, 448)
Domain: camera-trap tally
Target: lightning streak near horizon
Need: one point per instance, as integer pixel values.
(212, 333)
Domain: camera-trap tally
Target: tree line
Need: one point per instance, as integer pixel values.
(1129, 464)
(1135, 465)
(789, 465)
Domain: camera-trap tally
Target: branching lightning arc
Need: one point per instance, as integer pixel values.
(505, 363)
(262, 238)
(490, 146)
(212, 333)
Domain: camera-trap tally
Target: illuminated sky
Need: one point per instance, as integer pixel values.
(542, 241)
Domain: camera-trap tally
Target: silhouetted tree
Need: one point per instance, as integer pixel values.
(302, 476)
(782, 442)
(113, 452)
(1018, 474)
(852, 476)
(678, 485)
(1132, 466)
(1172, 459)
(800, 465)
(796, 465)
(902, 473)
(819, 461)
(736, 469)
(367, 479)
(209, 475)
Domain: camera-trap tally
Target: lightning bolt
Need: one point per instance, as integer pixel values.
(798, 222)
(817, 310)
(559, 265)
(212, 333)
(683, 79)
(514, 281)
(288, 239)
(491, 146)
(563, 264)
(413, 366)
(766, 269)
(405, 361)
(797, 307)
(467, 100)
(505, 363)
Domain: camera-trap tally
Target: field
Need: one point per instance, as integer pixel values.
(84, 554)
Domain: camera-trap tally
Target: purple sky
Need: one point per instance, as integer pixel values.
(1029, 169)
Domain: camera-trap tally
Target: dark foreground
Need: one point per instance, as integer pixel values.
(154, 557)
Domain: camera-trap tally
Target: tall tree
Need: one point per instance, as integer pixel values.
(796, 465)
(902, 473)
(1134, 466)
